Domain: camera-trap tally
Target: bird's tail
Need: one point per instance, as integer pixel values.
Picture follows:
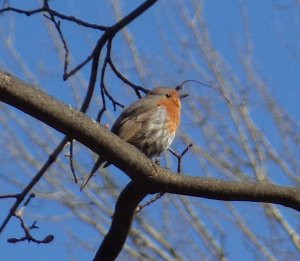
(96, 166)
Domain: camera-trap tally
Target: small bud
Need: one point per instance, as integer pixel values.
(48, 239)
(12, 240)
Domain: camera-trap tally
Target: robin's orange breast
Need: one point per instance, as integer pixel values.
(172, 107)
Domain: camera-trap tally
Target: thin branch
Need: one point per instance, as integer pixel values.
(104, 91)
(21, 11)
(180, 156)
(149, 202)
(52, 12)
(78, 67)
(28, 237)
(70, 156)
(62, 38)
(78, 21)
(137, 88)
(31, 196)
(9, 196)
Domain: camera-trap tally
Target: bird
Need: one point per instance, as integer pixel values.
(150, 124)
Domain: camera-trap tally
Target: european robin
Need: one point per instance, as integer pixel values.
(150, 124)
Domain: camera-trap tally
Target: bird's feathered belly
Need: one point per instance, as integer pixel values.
(155, 135)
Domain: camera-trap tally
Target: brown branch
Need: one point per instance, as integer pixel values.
(180, 156)
(9, 196)
(137, 88)
(21, 11)
(28, 237)
(46, 8)
(71, 160)
(63, 40)
(125, 208)
(152, 178)
(149, 202)
(104, 91)
(135, 164)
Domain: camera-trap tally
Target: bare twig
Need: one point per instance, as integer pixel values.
(180, 156)
(31, 196)
(78, 67)
(28, 237)
(104, 91)
(62, 38)
(9, 196)
(149, 202)
(137, 88)
(70, 156)
(46, 8)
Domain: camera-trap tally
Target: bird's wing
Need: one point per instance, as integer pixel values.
(132, 118)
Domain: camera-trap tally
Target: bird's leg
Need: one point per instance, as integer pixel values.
(157, 161)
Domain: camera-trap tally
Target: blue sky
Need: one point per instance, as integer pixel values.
(273, 38)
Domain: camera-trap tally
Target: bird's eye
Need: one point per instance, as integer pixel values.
(168, 95)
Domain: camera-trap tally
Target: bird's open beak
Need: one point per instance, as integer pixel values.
(181, 96)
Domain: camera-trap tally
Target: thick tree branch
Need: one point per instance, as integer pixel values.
(146, 176)
(135, 164)
(126, 205)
